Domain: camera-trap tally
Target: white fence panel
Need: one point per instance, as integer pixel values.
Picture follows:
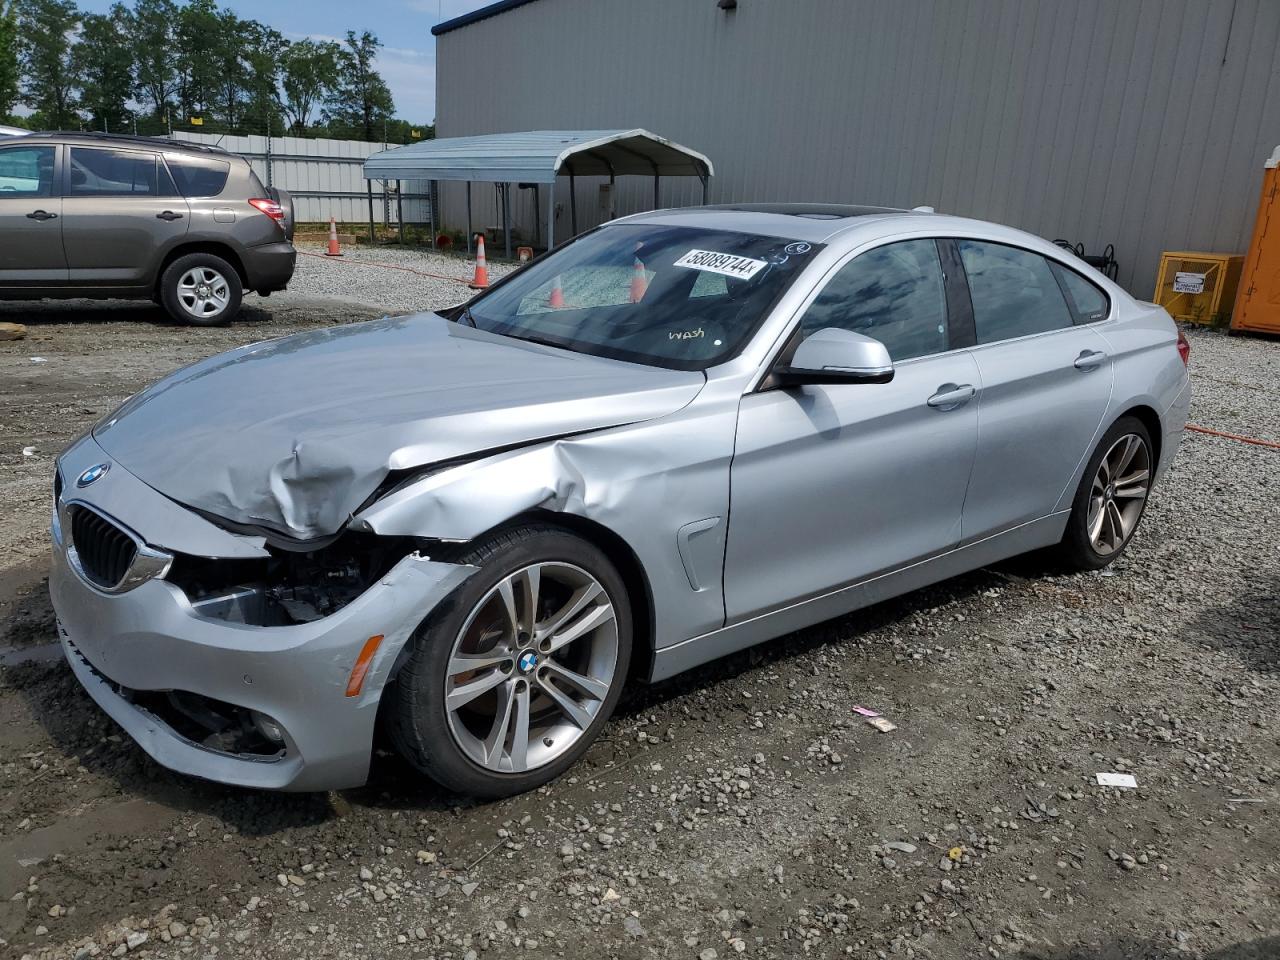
(324, 177)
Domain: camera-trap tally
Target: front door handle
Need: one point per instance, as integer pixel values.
(951, 395)
(168, 215)
(1090, 359)
(42, 215)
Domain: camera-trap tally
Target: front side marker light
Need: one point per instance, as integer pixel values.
(363, 662)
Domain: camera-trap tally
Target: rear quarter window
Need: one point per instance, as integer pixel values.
(199, 176)
(1086, 299)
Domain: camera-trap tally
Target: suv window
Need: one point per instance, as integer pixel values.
(1013, 291)
(1087, 301)
(893, 293)
(112, 173)
(26, 172)
(198, 176)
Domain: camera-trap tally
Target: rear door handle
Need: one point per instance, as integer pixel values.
(1090, 359)
(950, 396)
(168, 215)
(42, 215)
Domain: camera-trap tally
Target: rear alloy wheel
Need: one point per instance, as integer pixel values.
(1111, 498)
(201, 289)
(513, 677)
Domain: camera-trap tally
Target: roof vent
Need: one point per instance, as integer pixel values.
(727, 4)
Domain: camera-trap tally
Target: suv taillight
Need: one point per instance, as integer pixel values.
(270, 208)
(1184, 348)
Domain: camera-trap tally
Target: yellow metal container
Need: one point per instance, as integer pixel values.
(1199, 287)
(1258, 306)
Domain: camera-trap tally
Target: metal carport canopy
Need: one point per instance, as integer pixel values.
(538, 156)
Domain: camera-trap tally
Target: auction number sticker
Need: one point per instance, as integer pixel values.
(744, 268)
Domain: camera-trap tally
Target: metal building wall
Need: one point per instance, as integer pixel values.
(1142, 123)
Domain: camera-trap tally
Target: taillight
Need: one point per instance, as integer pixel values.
(1184, 348)
(270, 208)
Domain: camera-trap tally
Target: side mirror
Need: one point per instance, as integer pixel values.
(833, 355)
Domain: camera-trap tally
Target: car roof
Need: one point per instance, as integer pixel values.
(814, 222)
(88, 137)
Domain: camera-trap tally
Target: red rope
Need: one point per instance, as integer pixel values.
(1235, 436)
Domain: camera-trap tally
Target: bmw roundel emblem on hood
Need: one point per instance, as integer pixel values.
(93, 474)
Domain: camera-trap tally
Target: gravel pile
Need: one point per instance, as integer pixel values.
(381, 277)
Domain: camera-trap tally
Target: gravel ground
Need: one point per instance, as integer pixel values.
(355, 278)
(741, 809)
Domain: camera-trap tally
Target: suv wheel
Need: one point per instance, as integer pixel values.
(201, 289)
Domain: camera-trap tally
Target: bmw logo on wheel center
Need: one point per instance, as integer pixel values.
(93, 474)
(528, 660)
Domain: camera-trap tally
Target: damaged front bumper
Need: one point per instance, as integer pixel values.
(152, 661)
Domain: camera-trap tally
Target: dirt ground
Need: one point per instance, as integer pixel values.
(744, 808)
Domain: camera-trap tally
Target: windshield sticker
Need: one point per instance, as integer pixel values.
(744, 268)
(798, 248)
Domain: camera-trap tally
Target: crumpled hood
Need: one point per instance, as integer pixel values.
(295, 434)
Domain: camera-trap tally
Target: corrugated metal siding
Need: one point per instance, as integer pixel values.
(1142, 123)
(301, 174)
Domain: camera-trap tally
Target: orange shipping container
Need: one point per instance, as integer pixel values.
(1258, 302)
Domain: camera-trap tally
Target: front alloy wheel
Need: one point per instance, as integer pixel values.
(511, 678)
(531, 667)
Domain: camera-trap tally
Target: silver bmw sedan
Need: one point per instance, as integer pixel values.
(679, 435)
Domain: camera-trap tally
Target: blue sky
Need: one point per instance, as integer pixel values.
(408, 57)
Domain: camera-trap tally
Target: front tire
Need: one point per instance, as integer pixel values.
(201, 289)
(512, 678)
(1111, 498)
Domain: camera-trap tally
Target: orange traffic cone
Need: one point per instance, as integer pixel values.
(556, 300)
(481, 280)
(639, 281)
(333, 250)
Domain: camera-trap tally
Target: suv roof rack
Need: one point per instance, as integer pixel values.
(132, 138)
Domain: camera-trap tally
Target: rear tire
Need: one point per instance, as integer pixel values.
(1111, 499)
(201, 289)
(541, 702)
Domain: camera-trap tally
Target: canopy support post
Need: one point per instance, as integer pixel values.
(704, 178)
(551, 216)
(506, 217)
(400, 211)
(369, 185)
(433, 188)
(537, 211)
(656, 194)
(573, 200)
(613, 183)
(468, 218)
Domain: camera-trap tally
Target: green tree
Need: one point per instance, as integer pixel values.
(262, 55)
(8, 57)
(196, 36)
(308, 71)
(45, 28)
(151, 28)
(360, 100)
(103, 61)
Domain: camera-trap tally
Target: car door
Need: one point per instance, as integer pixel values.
(1046, 384)
(120, 213)
(831, 484)
(31, 251)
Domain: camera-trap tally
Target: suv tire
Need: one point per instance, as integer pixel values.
(201, 289)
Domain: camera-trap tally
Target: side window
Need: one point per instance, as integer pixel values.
(1087, 301)
(198, 176)
(112, 173)
(1013, 291)
(893, 293)
(26, 172)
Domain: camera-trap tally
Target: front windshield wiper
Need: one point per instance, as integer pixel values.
(540, 341)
